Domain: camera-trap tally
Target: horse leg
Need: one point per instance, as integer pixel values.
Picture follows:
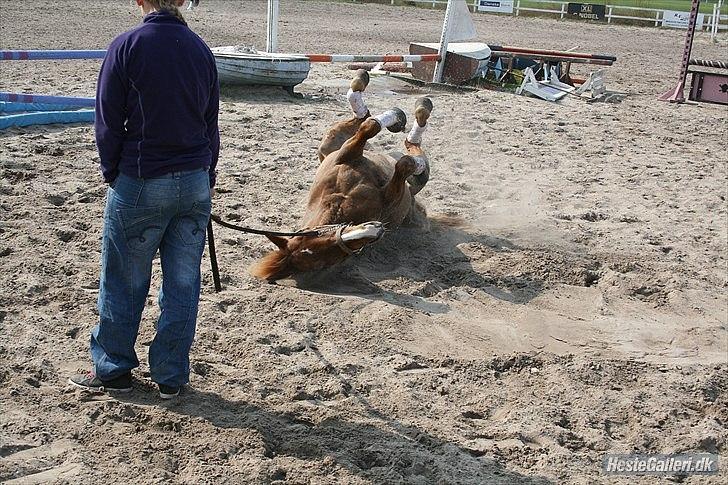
(417, 181)
(394, 120)
(343, 130)
(394, 190)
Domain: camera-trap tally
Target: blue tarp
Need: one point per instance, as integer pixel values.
(8, 107)
(32, 109)
(47, 118)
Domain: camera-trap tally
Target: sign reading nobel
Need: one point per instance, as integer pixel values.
(587, 11)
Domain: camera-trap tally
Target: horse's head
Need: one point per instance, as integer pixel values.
(300, 254)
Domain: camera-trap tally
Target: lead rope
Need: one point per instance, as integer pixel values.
(264, 232)
(316, 232)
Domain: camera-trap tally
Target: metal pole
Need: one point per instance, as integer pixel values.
(440, 66)
(213, 257)
(676, 94)
(272, 30)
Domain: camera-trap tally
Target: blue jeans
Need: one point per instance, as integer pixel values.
(169, 214)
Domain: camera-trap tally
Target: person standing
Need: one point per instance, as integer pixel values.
(157, 135)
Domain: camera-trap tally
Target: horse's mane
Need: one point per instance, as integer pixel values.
(270, 265)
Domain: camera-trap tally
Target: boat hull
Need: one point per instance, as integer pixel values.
(242, 68)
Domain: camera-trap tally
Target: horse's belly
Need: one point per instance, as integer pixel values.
(357, 186)
(382, 165)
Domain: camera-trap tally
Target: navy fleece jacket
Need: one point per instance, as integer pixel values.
(157, 102)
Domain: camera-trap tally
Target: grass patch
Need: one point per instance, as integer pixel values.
(679, 5)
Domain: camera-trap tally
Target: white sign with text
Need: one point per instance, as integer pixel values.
(498, 6)
(679, 20)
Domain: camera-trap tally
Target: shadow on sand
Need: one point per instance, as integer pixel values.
(429, 262)
(379, 448)
(268, 94)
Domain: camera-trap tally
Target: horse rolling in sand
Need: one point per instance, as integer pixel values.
(356, 191)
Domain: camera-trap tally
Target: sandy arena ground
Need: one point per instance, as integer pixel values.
(578, 309)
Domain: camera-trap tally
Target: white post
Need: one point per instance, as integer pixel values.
(563, 7)
(716, 19)
(609, 15)
(272, 30)
(657, 18)
(440, 66)
(518, 7)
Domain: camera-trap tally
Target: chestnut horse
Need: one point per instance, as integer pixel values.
(356, 192)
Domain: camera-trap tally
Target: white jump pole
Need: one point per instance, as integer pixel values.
(272, 30)
(444, 38)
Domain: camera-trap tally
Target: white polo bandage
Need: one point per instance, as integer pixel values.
(415, 134)
(386, 119)
(356, 100)
(420, 162)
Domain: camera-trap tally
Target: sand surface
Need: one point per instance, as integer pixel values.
(578, 307)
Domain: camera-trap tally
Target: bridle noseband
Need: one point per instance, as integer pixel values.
(340, 242)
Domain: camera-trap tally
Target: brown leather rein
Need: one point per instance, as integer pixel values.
(338, 229)
(315, 232)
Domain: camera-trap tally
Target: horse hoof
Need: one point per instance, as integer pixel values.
(401, 122)
(423, 108)
(360, 81)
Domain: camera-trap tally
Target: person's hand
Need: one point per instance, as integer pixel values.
(212, 192)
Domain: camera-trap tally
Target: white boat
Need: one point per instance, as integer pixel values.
(240, 65)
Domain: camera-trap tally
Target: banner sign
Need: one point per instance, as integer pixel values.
(587, 11)
(679, 20)
(498, 6)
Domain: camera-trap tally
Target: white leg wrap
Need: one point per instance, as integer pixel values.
(356, 100)
(421, 163)
(415, 134)
(386, 119)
